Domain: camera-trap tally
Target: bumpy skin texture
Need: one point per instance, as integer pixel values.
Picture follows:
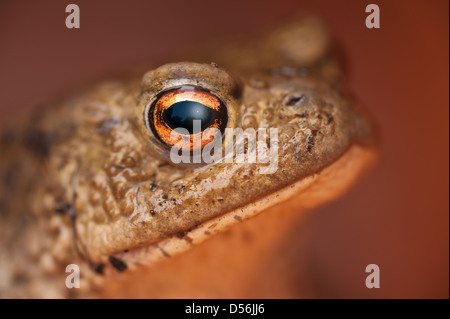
(84, 180)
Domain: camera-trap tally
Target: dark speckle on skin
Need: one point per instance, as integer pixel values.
(182, 189)
(165, 253)
(38, 142)
(153, 187)
(68, 209)
(296, 100)
(183, 235)
(310, 140)
(303, 114)
(117, 263)
(98, 268)
(330, 118)
(106, 125)
(20, 278)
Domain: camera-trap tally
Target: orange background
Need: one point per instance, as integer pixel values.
(397, 217)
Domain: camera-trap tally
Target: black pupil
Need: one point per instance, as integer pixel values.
(182, 114)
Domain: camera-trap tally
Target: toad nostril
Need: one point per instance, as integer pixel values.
(296, 100)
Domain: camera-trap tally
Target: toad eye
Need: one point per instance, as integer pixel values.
(198, 112)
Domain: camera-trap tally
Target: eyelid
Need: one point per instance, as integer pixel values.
(189, 73)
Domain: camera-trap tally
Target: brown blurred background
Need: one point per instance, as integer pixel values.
(397, 217)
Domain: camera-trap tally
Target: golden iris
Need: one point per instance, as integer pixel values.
(180, 108)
